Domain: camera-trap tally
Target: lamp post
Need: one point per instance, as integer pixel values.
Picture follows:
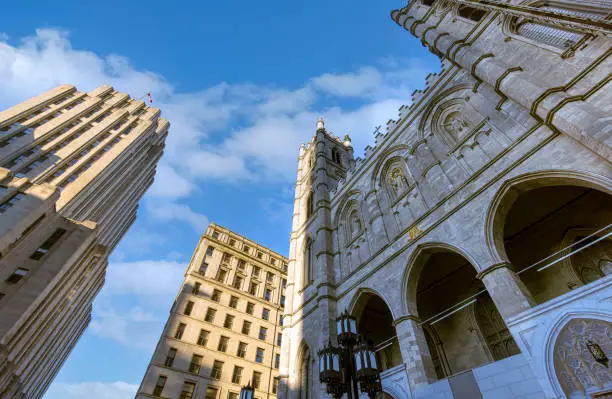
(341, 369)
(247, 392)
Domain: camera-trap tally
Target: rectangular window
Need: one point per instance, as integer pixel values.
(255, 271)
(216, 295)
(237, 282)
(281, 320)
(44, 248)
(203, 269)
(263, 333)
(179, 331)
(269, 277)
(246, 327)
(196, 364)
(242, 349)
(211, 393)
(277, 361)
(232, 395)
(259, 355)
(187, 390)
(170, 357)
(188, 308)
(268, 294)
(241, 264)
(210, 250)
(17, 275)
(265, 314)
(246, 249)
(279, 339)
(275, 385)
(217, 370)
(256, 379)
(232, 242)
(159, 385)
(273, 261)
(237, 375)
(282, 301)
(210, 315)
(229, 321)
(196, 288)
(233, 303)
(215, 235)
(259, 255)
(253, 288)
(285, 267)
(250, 307)
(221, 275)
(203, 337)
(223, 342)
(226, 258)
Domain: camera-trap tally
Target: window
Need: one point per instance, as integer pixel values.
(241, 264)
(277, 360)
(282, 301)
(265, 314)
(217, 370)
(221, 275)
(233, 303)
(237, 375)
(253, 288)
(336, 156)
(17, 275)
(222, 346)
(170, 357)
(203, 337)
(232, 242)
(284, 283)
(280, 320)
(215, 235)
(246, 249)
(259, 255)
(232, 395)
(263, 333)
(256, 379)
(210, 315)
(196, 364)
(180, 330)
(285, 267)
(229, 321)
(259, 355)
(237, 282)
(275, 385)
(187, 390)
(269, 277)
(44, 248)
(255, 271)
(242, 349)
(196, 288)
(216, 295)
(250, 307)
(428, 2)
(246, 327)
(203, 268)
(210, 250)
(279, 339)
(226, 258)
(471, 13)
(188, 308)
(267, 294)
(159, 385)
(211, 393)
(309, 206)
(273, 261)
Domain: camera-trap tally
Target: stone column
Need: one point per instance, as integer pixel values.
(577, 119)
(415, 352)
(506, 289)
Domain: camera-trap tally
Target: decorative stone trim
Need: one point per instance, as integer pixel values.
(402, 319)
(498, 83)
(480, 275)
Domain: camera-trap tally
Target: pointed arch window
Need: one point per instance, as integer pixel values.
(309, 206)
(308, 262)
(336, 156)
(471, 13)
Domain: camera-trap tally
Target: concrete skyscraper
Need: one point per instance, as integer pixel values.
(73, 167)
(224, 329)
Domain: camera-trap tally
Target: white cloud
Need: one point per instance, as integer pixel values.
(169, 184)
(169, 211)
(92, 390)
(131, 328)
(362, 83)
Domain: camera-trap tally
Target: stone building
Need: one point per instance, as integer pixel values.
(472, 243)
(224, 329)
(73, 167)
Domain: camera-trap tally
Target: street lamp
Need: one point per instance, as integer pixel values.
(342, 368)
(246, 392)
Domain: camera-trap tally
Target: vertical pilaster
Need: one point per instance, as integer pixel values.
(415, 352)
(506, 289)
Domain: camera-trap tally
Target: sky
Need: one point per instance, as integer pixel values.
(242, 84)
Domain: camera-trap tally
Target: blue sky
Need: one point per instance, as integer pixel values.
(242, 84)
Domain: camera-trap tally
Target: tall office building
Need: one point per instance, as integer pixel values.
(224, 329)
(73, 167)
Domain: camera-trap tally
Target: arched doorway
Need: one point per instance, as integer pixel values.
(375, 324)
(304, 373)
(468, 336)
(576, 369)
(544, 220)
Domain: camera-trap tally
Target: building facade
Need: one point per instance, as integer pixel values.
(73, 167)
(224, 329)
(472, 243)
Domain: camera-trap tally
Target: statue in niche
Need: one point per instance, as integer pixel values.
(397, 181)
(605, 266)
(456, 125)
(355, 224)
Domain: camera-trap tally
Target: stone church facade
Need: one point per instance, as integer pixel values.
(472, 243)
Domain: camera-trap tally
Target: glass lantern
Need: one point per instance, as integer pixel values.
(346, 327)
(366, 369)
(330, 369)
